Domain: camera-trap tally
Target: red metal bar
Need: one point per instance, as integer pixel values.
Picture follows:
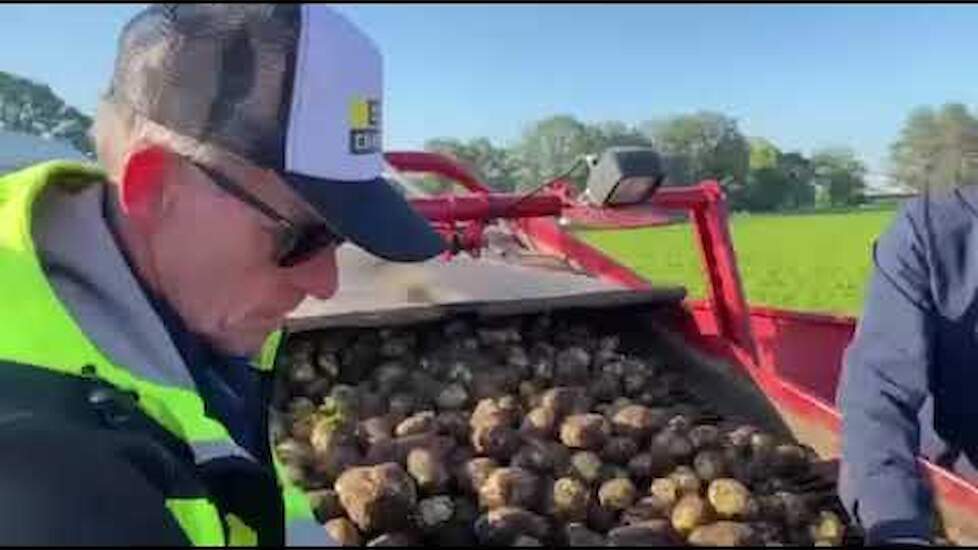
(486, 207)
(708, 212)
(548, 237)
(435, 163)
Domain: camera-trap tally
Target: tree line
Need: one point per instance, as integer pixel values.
(31, 108)
(755, 173)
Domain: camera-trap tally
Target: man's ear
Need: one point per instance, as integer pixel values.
(142, 193)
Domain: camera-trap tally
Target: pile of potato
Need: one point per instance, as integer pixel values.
(531, 431)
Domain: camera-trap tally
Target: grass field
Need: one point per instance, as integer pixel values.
(814, 262)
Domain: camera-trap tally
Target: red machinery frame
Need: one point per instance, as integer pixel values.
(531, 215)
(794, 357)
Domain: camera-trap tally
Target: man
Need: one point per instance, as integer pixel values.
(240, 146)
(909, 375)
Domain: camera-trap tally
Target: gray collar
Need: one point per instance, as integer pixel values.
(90, 276)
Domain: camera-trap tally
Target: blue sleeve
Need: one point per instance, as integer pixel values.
(883, 386)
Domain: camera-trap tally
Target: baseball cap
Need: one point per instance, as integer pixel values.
(296, 88)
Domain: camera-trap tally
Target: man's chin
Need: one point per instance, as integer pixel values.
(246, 341)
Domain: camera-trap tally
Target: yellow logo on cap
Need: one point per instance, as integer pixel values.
(364, 126)
(364, 113)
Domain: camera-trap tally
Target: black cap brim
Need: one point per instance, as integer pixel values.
(373, 215)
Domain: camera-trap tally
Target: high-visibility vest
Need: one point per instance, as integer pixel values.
(32, 318)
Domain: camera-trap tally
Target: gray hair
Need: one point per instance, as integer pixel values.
(117, 130)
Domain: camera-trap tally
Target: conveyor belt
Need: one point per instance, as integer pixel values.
(374, 292)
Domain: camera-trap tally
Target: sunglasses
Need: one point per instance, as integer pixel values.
(296, 244)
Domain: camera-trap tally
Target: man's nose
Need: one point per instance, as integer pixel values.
(318, 276)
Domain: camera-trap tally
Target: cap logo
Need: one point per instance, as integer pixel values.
(364, 126)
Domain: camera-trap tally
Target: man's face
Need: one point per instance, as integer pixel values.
(215, 256)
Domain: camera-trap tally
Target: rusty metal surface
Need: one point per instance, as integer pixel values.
(375, 292)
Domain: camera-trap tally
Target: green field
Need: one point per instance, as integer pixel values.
(815, 262)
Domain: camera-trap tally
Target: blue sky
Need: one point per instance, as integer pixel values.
(802, 76)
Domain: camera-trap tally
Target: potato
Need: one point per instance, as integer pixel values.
(473, 474)
(586, 466)
(371, 404)
(343, 532)
(828, 528)
(585, 431)
(689, 513)
(636, 421)
(524, 541)
(729, 498)
(434, 513)
(709, 465)
(295, 452)
(617, 494)
(768, 533)
(328, 363)
(503, 526)
(601, 519)
(559, 457)
(377, 498)
(654, 533)
(789, 459)
(705, 437)
(619, 450)
(635, 383)
(397, 449)
(680, 424)
(686, 480)
(390, 377)
(531, 394)
(395, 343)
(518, 359)
(495, 440)
(492, 412)
(740, 437)
(302, 373)
(336, 460)
(331, 432)
(572, 367)
(514, 487)
(666, 490)
(540, 422)
(393, 539)
(565, 401)
(796, 511)
(419, 423)
(325, 504)
(425, 388)
(577, 535)
(605, 388)
(677, 447)
(647, 508)
(762, 446)
(454, 424)
(723, 533)
(640, 467)
(401, 406)
(428, 471)
(533, 456)
(452, 397)
(570, 500)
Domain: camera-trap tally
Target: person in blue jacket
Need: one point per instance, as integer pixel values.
(910, 373)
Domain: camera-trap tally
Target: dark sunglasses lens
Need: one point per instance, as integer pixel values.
(307, 244)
